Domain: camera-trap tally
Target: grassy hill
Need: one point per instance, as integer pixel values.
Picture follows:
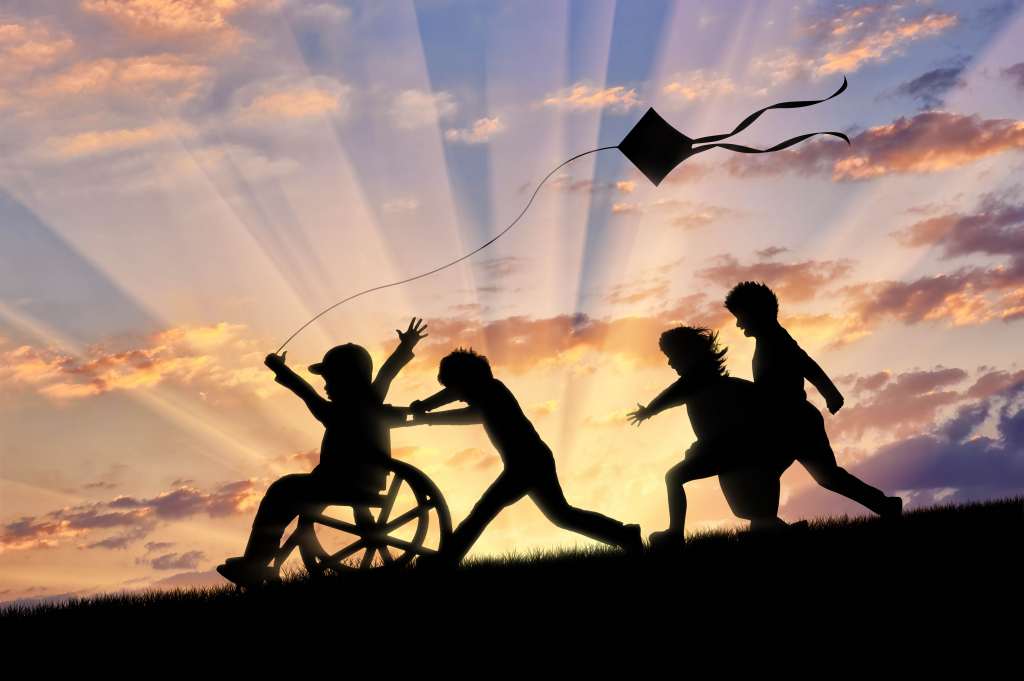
(931, 560)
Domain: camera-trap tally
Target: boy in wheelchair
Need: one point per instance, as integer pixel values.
(732, 434)
(356, 441)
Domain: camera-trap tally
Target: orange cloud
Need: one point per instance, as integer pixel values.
(323, 97)
(27, 47)
(167, 73)
(792, 281)
(105, 141)
(170, 19)
(878, 45)
(583, 97)
(481, 131)
(188, 355)
(929, 142)
(697, 85)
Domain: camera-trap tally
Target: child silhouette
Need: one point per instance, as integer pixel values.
(780, 366)
(529, 464)
(726, 418)
(356, 440)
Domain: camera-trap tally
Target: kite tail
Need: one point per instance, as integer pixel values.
(781, 145)
(448, 264)
(781, 105)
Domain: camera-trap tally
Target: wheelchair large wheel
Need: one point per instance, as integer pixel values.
(409, 519)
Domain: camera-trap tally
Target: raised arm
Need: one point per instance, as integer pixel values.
(672, 396)
(298, 385)
(402, 355)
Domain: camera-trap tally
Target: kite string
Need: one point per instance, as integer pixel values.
(449, 264)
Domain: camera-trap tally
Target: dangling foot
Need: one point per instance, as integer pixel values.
(667, 540)
(246, 573)
(633, 544)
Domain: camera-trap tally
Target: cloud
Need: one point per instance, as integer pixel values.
(481, 131)
(175, 561)
(797, 281)
(171, 75)
(27, 47)
(969, 295)
(929, 88)
(281, 99)
(131, 518)
(698, 85)
(1015, 74)
(205, 20)
(496, 268)
(771, 252)
(412, 109)
(929, 142)
(899, 404)
(684, 214)
(995, 228)
(188, 355)
(878, 44)
(626, 294)
(95, 142)
(849, 38)
(583, 97)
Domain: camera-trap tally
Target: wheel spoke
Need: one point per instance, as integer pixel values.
(389, 500)
(385, 555)
(346, 552)
(404, 518)
(338, 524)
(367, 558)
(408, 546)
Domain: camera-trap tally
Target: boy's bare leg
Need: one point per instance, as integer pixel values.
(835, 478)
(504, 491)
(550, 499)
(697, 465)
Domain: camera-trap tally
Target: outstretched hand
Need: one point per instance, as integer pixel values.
(416, 407)
(275, 361)
(639, 416)
(414, 334)
(835, 403)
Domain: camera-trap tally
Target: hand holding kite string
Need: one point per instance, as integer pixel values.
(654, 147)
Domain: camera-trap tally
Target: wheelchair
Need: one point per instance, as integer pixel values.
(385, 530)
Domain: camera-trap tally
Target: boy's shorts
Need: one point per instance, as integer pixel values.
(804, 433)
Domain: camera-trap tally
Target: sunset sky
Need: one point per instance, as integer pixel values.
(186, 182)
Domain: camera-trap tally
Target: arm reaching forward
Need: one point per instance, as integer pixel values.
(451, 417)
(672, 396)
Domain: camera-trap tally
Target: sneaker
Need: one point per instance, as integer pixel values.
(634, 541)
(245, 573)
(666, 540)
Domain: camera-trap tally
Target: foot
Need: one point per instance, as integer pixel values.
(800, 525)
(893, 507)
(634, 541)
(245, 573)
(667, 540)
(434, 562)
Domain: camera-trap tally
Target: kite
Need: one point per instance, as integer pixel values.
(654, 147)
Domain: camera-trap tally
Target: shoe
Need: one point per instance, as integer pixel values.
(893, 507)
(634, 541)
(666, 540)
(244, 573)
